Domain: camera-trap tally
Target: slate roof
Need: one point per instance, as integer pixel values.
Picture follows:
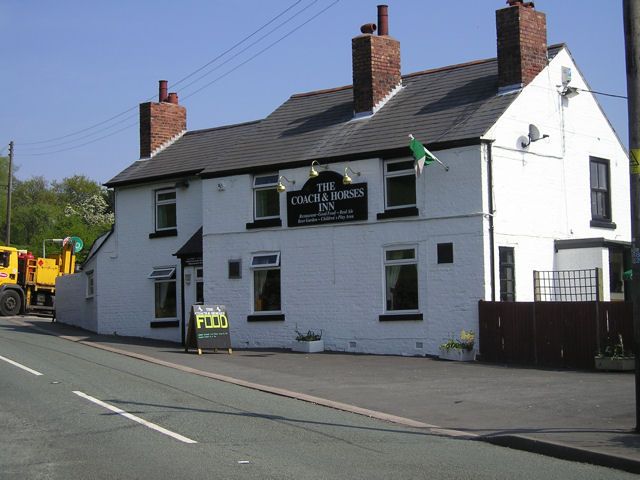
(441, 107)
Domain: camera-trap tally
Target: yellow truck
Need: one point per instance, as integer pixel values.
(28, 283)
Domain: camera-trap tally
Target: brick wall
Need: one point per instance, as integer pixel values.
(376, 70)
(159, 123)
(522, 44)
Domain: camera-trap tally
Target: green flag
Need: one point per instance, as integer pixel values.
(421, 155)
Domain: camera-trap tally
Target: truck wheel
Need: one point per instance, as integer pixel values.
(10, 303)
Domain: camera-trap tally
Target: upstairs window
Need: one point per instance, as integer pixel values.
(600, 189)
(266, 202)
(165, 210)
(399, 184)
(507, 274)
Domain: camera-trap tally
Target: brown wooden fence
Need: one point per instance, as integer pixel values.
(552, 334)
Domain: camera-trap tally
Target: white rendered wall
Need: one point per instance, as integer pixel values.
(542, 192)
(332, 277)
(126, 304)
(72, 305)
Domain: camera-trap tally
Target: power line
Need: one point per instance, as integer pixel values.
(261, 51)
(194, 92)
(151, 98)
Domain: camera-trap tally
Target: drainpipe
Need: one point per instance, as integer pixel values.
(492, 242)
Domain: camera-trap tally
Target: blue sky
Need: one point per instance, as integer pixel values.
(69, 65)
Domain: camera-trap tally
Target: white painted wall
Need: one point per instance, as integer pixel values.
(542, 192)
(126, 294)
(332, 277)
(72, 305)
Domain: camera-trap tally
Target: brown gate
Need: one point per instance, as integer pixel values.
(551, 334)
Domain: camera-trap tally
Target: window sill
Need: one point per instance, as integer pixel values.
(269, 222)
(399, 213)
(400, 317)
(164, 233)
(268, 317)
(165, 324)
(603, 224)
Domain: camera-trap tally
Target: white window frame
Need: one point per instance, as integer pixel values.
(163, 275)
(274, 264)
(404, 261)
(91, 284)
(399, 173)
(160, 203)
(258, 187)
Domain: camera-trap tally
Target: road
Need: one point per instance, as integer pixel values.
(69, 411)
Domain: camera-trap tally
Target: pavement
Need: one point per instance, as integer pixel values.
(573, 415)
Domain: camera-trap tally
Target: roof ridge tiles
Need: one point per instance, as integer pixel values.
(222, 127)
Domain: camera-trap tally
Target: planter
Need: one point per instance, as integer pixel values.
(458, 355)
(314, 346)
(617, 364)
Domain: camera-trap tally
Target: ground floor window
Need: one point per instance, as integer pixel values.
(164, 291)
(401, 278)
(266, 282)
(507, 274)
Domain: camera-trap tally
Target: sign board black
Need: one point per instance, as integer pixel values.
(324, 199)
(208, 328)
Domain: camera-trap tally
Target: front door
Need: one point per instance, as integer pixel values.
(193, 281)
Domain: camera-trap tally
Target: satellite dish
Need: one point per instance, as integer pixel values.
(534, 136)
(534, 133)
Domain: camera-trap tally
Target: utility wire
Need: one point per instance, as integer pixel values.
(175, 84)
(602, 93)
(261, 51)
(194, 92)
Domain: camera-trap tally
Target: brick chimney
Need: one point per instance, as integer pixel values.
(376, 66)
(522, 43)
(160, 122)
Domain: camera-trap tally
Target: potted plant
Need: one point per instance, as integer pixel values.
(310, 342)
(459, 349)
(615, 357)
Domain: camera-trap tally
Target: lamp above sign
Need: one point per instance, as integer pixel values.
(324, 199)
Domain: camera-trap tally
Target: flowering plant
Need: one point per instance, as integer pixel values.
(310, 336)
(465, 342)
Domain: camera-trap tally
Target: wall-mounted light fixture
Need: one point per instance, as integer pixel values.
(534, 136)
(346, 180)
(221, 187)
(280, 187)
(313, 173)
(182, 184)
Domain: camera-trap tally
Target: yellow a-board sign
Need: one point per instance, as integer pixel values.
(208, 328)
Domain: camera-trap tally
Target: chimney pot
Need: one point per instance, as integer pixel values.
(368, 28)
(162, 95)
(383, 20)
(173, 98)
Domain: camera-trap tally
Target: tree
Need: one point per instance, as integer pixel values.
(75, 206)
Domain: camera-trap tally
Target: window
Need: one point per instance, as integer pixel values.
(199, 286)
(400, 184)
(600, 190)
(266, 202)
(235, 270)
(445, 253)
(266, 282)
(164, 291)
(90, 284)
(401, 279)
(507, 274)
(165, 209)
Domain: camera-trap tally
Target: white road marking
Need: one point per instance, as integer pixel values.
(139, 420)
(30, 370)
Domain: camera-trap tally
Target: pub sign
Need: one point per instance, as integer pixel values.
(324, 199)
